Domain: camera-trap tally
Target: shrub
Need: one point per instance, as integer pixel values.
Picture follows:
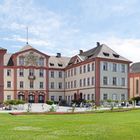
(49, 102)
(52, 109)
(136, 98)
(109, 100)
(20, 102)
(14, 102)
(56, 102)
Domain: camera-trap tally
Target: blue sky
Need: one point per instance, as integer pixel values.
(66, 26)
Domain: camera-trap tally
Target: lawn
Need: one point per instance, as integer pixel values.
(99, 126)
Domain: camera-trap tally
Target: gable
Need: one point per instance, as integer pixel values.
(74, 60)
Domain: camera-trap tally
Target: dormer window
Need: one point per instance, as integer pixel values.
(51, 64)
(105, 54)
(60, 65)
(116, 55)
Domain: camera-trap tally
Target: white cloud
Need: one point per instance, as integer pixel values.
(127, 47)
(52, 33)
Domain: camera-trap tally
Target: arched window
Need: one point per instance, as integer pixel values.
(81, 96)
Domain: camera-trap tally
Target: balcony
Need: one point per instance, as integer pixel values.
(31, 77)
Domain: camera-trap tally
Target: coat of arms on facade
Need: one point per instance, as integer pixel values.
(31, 59)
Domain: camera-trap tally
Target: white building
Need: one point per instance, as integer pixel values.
(96, 74)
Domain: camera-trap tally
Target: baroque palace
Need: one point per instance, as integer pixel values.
(96, 74)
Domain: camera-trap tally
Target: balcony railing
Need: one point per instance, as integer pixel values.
(31, 77)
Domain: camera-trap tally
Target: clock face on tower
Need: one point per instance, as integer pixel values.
(31, 59)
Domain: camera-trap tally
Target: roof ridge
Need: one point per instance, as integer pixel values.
(26, 47)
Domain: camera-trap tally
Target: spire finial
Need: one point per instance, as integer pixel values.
(27, 35)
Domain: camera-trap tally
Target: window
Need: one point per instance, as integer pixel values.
(68, 84)
(105, 96)
(105, 54)
(84, 96)
(60, 65)
(88, 67)
(51, 64)
(84, 82)
(52, 98)
(60, 85)
(52, 85)
(21, 96)
(74, 83)
(80, 69)
(68, 98)
(114, 67)
(21, 72)
(92, 66)
(92, 97)
(31, 84)
(114, 81)
(60, 74)
(21, 84)
(88, 81)
(80, 82)
(21, 60)
(71, 97)
(88, 97)
(8, 97)
(41, 73)
(71, 84)
(105, 80)
(74, 71)
(41, 61)
(122, 97)
(92, 80)
(137, 86)
(71, 72)
(114, 97)
(41, 85)
(68, 73)
(31, 72)
(116, 55)
(84, 68)
(123, 81)
(8, 72)
(105, 66)
(52, 74)
(60, 98)
(8, 84)
(122, 68)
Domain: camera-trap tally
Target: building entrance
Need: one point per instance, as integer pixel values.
(41, 99)
(31, 99)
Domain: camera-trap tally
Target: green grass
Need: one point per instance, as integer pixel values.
(99, 126)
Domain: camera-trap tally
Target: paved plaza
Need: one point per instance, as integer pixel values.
(38, 107)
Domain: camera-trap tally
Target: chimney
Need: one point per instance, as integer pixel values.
(98, 44)
(80, 51)
(58, 55)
